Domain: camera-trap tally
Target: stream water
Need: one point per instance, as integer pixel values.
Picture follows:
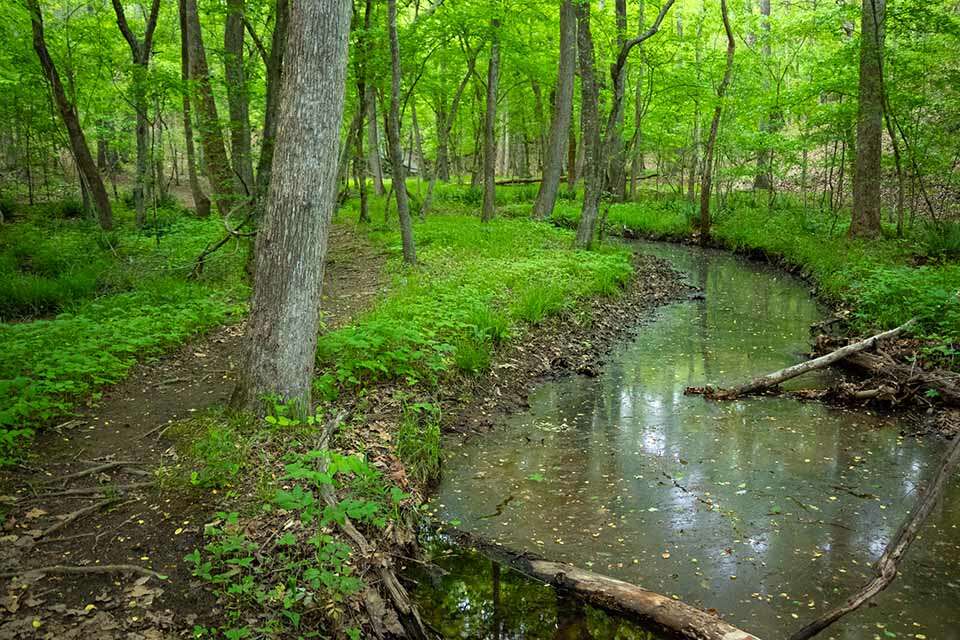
(768, 510)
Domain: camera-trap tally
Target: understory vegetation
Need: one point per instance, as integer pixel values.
(882, 282)
(81, 307)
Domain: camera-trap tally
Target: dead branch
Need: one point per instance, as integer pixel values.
(887, 566)
(650, 609)
(76, 515)
(946, 384)
(86, 472)
(89, 491)
(772, 380)
(60, 569)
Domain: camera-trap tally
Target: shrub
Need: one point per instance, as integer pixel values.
(941, 240)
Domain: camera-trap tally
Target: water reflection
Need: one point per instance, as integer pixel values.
(767, 509)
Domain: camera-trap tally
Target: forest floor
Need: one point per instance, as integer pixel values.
(90, 498)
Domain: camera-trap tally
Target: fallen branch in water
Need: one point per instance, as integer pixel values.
(887, 566)
(944, 383)
(772, 380)
(650, 609)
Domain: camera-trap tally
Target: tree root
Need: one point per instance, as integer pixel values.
(73, 516)
(60, 569)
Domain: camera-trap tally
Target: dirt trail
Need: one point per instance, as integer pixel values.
(104, 461)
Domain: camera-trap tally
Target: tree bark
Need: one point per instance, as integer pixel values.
(399, 173)
(361, 60)
(557, 141)
(706, 185)
(238, 98)
(762, 179)
(89, 175)
(201, 202)
(140, 52)
(272, 106)
(373, 133)
(292, 240)
(589, 130)
(490, 126)
(865, 220)
(215, 161)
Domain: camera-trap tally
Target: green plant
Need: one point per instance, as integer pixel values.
(418, 440)
(536, 303)
(941, 240)
(472, 354)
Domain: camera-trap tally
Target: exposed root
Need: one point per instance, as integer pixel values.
(100, 569)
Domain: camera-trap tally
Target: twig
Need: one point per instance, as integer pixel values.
(90, 471)
(76, 515)
(60, 569)
(90, 491)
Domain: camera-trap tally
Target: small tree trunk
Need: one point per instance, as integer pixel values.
(705, 183)
(373, 134)
(292, 240)
(215, 161)
(557, 139)
(490, 127)
(589, 116)
(272, 107)
(86, 166)
(393, 139)
(238, 99)
(201, 202)
(865, 221)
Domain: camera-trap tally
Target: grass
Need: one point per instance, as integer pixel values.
(117, 298)
(475, 285)
(880, 280)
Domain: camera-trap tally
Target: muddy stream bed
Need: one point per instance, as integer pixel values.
(768, 510)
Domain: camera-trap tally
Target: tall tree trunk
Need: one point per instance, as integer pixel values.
(373, 134)
(140, 52)
(86, 166)
(613, 149)
(865, 221)
(238, 98)
(399, 174)
(572, 157)
(706, 180)
(215, 161)
(201, 202)
(590, 130)
(764, 158)
(272, 106)
(361, 60)
(281, 336)
(490, 126)
(557, 140)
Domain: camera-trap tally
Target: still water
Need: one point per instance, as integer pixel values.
(768, 510)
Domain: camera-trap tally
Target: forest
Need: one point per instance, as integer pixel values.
(527, 319)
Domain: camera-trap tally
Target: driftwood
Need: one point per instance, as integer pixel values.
(946, 384)
(650, 609)
(887, 566)
(771, 380)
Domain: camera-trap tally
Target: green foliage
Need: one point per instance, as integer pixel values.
(941, 240)
(418, 441)
(49, 364)
(472, 355)
(537, 302)
(215, 448)
(276, 585)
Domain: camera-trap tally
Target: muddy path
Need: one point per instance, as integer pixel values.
(88, 496)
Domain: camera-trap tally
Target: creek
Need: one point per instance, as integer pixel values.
(769, 510)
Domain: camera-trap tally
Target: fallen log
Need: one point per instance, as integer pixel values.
(946, 384)
(771, 380)
(652, 610)
(888, 565)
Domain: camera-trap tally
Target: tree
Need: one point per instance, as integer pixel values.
(217, 166)
(865, 221)
(274, 72)
(706, 184)
(201, 202)
(238, 100)
(86, 167)
(399, 174)
(281, 336)
(490, 125)
(562, 114)
(140, 52)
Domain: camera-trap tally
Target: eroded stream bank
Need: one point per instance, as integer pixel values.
(768, 509)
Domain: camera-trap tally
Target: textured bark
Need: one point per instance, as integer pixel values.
(590, 130)
(215, 161)
(865, 221)
(238, 98)
(707, 177)
(281, 334)
(768, 122)
(363, 96)
(271, 109)
(201, 202)
(140, 52)
(373, 134)
(399, 173)
(89, 175)
(557, 142)
(490, 127)
(613, 152)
